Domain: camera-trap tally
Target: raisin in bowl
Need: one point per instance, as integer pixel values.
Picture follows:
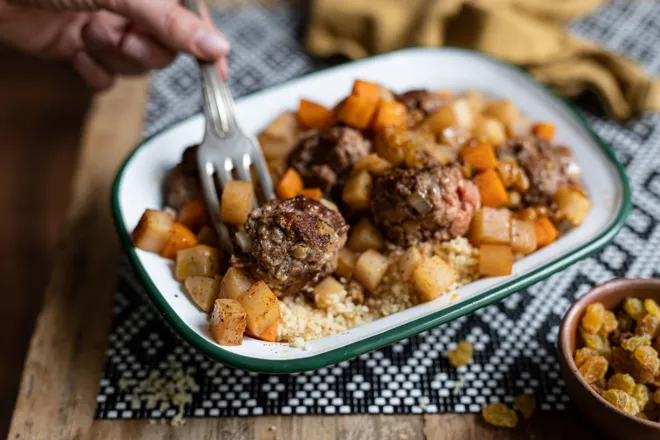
(593, 384)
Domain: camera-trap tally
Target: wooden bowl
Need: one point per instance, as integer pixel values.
(607, 418)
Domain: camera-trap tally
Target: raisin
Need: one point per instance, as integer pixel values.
(596, 342)
(583, 354)
(593, 318)
(623, 382)
(634, 308)
(593, 369)
(624, 402)
(498, 414)
(621, 360)
(525, 404)
(461, 355)
(633, 342)
(645, 364)
(609, 323)
(652, 307)
(648, 325)
(641, 394)
(625, 321)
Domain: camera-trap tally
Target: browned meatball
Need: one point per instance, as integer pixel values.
(182, 183)
(295, 243)
(413, 205)
(548, 167)
(325, 158)
(424, 100)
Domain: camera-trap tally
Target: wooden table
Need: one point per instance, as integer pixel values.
(61, 375)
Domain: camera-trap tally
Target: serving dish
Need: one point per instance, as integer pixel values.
(138, 186)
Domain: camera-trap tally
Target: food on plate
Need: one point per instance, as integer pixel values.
(384, 201)
(620, 358)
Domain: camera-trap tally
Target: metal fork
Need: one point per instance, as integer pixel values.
(226, 148)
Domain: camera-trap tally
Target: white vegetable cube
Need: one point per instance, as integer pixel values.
(573, 204)
(227, 322)
(261, 307)
(409, 261)
(370, 269)
(200, 260)
(328, 293)
(235, 283)
(357, 190)
(237, 201)
(364, 236)
(152, 230)
(346, 263)
(203, 291)
(432, 278)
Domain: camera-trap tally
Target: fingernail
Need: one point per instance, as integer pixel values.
(135, 48)
(211, 44)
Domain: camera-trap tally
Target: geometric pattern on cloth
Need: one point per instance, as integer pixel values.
(514, 340)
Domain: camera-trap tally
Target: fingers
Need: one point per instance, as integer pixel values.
(174, 26)
(96, 76)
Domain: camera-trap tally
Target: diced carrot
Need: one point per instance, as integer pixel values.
(270, 333)
(313, 115)
(366, 89)
(480, 156)
(390, 114)
(193, 215)
(357, 111)
(312, 193)
(546, 232)
(180, 237)
(544, 130)
(290, 185)
(491, 188)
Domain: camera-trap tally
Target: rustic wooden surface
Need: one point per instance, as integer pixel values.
(56, 397)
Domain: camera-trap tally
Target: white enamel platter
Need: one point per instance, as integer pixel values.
(138, 186)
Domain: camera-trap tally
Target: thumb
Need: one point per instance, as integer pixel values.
(174, 26)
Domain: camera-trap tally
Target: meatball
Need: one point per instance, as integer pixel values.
(548, 167)
(424, 100)
(324, 159)
(183, 183)
(295, 243)
(414, 205)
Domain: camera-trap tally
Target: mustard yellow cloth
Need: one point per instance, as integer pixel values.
(529, 33)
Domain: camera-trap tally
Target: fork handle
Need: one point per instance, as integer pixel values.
(218, 102)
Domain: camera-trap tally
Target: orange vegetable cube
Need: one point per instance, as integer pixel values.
(269, 334)
(491, 188)
(544, 130)
(546, 232)
(366, 89)
(180, 237)
(495, 260)
(312, 193)
(523, 236)
(390, 114)
(193, 215)
(480, 156)
(313, 115)
(290, 185)
(357, 111)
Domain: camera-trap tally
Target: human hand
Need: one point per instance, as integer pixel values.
(106, 38)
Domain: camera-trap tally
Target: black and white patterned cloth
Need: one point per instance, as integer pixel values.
(514, 340)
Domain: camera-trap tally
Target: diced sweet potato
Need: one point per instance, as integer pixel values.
(523, 236)
(203, 291)
(364, 236)
(546, 232)
(328, 292)
(270, 334)
(200, 260)
(491, 188)
(391, 114)
(346, 262)
(152, 230)
(313, 115)
(490, 130)
(544, 130)
(503, 111)
(432, 278)
(290, 185)
(456, 114)
(235, 283)
(357, 111)
(480, 156)
(370, 269)
(357, 190)
(180, 237)
(261, 307)
(227, 322)
(366, 89)
(572, 204)
(440, 120)
(312, 193)
(237, 201)
(280, 137)
(392, 145)
(495, 260)
(409, 261)
(193, 215)
(372, 163)
(492, 226)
